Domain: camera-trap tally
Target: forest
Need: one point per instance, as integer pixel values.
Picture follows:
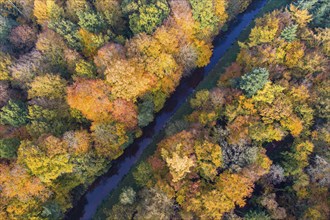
(256, 146)
(78, 81)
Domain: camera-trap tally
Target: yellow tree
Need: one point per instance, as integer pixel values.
(265, 30)
(230, 190)
(91, 97)
(5, 63)
(209, 158)
(302, 17)
(179, 165)
(44, 10)
(48, 86)
(91, 42)
(16, 182)
(127, 80)
(48, 159)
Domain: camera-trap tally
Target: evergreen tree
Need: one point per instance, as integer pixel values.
(91, 21)
(14, 113)
(252, 82)
(68, 31)
(290, 33)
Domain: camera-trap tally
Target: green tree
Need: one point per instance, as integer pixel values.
(320, 9)
(91, 21)
(145, 17)
(109, 139)
(8, 148)
(14, 113)
(146, 112)
(143, 173)
(68, 31)
(257, 215)
(200, 99)
(290, 33)
(252, 82)
(43, 121)
(85, 69)
(209, 14)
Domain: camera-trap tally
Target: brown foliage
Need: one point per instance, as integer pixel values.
(23, 37)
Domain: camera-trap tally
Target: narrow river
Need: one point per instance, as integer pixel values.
(86, 207)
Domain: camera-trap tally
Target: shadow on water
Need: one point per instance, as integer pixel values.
(86, 207)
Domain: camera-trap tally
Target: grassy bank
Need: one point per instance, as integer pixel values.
(207, 83)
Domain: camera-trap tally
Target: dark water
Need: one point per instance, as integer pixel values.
(98, 191)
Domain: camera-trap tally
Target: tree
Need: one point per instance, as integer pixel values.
(127, 196)
(289, 33)
(14, 113)
(209, 159)
(23, 37)
(201, 99)
(109, 139)
(112, 13)
(146, 112)
(107, 55)
(154, 204)
(54, 51)
(45, 121)
(210, 15)
(125, 112)
(79, 142)
(46, 11)
(91, 97)
(264, 31)
(318, 171)
(143, 173)
(253, 81)
(91, 21)
(204, 51)
(85, 69)
(295, 51)
(230, 190)
(145, 17)
(265, 133)
(73, 7)
(179, 166)
(4, 93)
(5, 26)
(275, 175)
(257, 215)
(90, 41)
(5, 63)
(49, 86)
(68, 30)
(128, 80)
(26, 68)
(319, 10)
(8, 148)
(16, 182)
(48, 159)
(302, 17)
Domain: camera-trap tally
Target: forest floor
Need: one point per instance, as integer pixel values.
(208, 82)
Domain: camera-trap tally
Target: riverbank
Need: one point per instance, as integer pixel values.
(208, 82)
